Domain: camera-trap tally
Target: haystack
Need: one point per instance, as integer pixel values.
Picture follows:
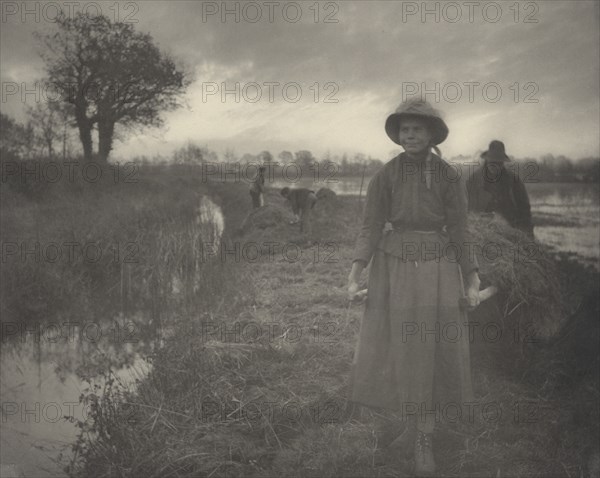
(326, 194)
(265, 217)
(523, 271)
(270, 224)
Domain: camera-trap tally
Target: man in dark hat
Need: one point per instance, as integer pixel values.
(494, 188)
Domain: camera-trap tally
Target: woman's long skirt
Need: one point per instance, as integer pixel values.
(412, 354)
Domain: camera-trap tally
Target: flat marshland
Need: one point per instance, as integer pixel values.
(250, 340)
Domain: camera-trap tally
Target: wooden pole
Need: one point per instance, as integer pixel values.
(362, 180)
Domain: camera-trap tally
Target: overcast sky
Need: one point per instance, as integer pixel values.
(352, 71)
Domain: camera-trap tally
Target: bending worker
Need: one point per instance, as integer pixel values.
(302, 201)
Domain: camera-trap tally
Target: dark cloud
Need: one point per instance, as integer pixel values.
(370, 53)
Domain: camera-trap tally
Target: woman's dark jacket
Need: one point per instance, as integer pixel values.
(421, 196)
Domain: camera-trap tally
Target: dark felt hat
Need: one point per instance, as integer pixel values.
(417, 108)
(495, 152)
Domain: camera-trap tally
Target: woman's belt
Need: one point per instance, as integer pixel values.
(430, 246)
(399, 227)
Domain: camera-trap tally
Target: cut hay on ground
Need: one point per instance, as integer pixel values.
(222, 400)
(326, 193)
(330, 218)
(269, 223)
(265, 217)
(523, 271)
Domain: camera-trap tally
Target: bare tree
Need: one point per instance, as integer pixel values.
(111, 75)
(17, 139)
(230, 156)
(191, 153)
(45, 122)
(265, 156)
(286, 157)
(304, 158)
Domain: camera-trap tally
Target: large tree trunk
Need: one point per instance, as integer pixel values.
(64, 141)
(106, 129)
(85, 132)
(50, 148)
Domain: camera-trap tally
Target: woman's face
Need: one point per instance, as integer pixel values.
(414, 136)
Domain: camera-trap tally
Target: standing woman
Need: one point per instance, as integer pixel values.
(257, 188)
(412, 354)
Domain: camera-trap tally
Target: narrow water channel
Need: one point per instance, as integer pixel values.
(46, 366)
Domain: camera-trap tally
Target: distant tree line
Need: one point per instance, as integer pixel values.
(48, 135)
(562, 169)
(548, 168)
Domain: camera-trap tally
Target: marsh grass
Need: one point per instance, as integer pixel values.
(223, 400)
(219, 403)
(122, 245)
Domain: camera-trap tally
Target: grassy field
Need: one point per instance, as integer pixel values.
(252, 377)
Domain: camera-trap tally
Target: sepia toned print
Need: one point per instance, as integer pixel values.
(287, 239)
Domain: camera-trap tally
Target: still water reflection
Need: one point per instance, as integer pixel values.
(46, 366)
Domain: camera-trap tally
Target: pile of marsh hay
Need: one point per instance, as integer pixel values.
(524, 272)
(265, 219)
(270, 224)
(326, 193)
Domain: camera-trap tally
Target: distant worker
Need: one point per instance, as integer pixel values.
(257, 188)
(302, 201)
(494, 188)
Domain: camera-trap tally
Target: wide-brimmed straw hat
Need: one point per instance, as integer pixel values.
(495, 152)
(421, 109)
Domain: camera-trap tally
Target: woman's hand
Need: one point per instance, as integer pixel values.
(472, 291)
(472, 298)
(353, 279)
(352, 289)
